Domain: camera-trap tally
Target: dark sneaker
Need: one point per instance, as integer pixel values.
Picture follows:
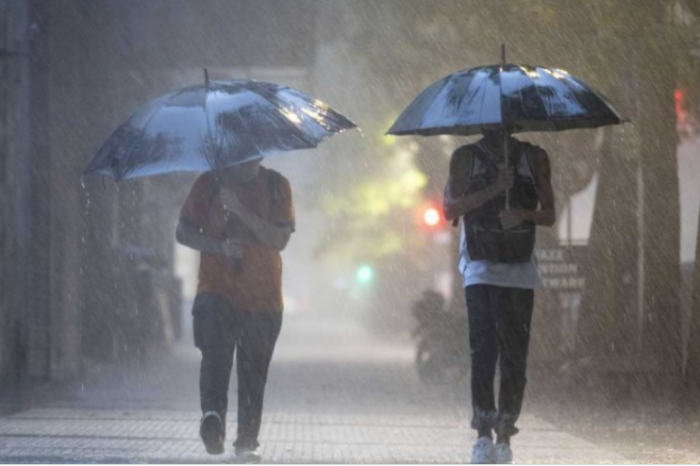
(211, 429)
(247, 456)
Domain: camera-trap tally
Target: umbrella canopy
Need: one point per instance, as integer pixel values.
(213, 126)
(518, 97)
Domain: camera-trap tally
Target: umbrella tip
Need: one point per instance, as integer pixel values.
(206, 77)
(503, 54)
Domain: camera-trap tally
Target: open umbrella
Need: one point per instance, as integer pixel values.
(216, 125)
(518, 98)
(515, 98)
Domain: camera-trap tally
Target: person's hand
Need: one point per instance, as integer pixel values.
(232, 247)
(511, 218)
(230, 201)
(505, 179)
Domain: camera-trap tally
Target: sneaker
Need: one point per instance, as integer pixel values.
(211, 429)
(247, 456)
(504, 454)
(483, 452)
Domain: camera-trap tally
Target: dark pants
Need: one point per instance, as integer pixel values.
(499, 325)
(218, 331)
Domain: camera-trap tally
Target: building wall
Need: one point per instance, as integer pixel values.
(72, 71)
(14, 140)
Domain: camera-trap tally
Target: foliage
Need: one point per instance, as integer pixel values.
(373, 219)
(404, 46)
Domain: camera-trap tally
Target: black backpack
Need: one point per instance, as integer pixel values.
(485, 236)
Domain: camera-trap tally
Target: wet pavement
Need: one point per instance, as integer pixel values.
(335, 395)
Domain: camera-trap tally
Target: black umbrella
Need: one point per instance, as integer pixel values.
(216, 125)
(518, 98)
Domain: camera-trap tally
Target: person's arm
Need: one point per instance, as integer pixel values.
(456, 204)
(194, 237)
(193, 228)
(546, 214)
(272, 235)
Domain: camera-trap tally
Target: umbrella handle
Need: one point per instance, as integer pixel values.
(505, 128)
(507, 159)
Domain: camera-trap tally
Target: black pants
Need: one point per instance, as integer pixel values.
(218, 331)
(499, 325)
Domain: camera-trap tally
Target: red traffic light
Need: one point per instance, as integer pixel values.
(429, 216)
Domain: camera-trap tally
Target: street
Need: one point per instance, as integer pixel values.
(335, 395)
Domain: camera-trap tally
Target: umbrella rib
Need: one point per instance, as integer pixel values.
(142, 135)
(568, 83)
(178, 93)
(574, 97)
(303, 135)
(592, 91)
(483, 98)
(206, 118)
(547, 106)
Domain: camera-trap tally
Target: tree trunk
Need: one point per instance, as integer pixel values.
(608, 312)
(661, 330)
(638, 242)
(693, 365)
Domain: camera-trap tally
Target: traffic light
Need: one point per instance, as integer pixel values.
(364, 274)
(430, 216)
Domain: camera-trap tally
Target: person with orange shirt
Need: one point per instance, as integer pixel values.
(240, 219)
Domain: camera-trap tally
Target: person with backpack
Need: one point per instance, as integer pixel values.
(500, 205)
(240, 219)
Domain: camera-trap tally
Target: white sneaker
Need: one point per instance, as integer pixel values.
(247, 456)
(504, 454)
(483, 451)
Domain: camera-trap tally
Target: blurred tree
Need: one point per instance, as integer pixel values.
(693, 365)
(373, 219)
(660, 199)
(637, 53)
(655, 62)
(691, 90)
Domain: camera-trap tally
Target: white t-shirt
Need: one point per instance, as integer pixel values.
(476, 272)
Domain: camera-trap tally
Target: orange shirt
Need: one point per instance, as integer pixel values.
(257, 285)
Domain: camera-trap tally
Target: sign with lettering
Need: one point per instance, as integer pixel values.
(559, 304)
(560, 268)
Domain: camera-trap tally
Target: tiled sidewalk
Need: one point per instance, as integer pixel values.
(78, 435)
(335, 395)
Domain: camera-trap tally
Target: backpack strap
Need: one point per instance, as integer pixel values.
(472, 163)
(215, 187)
(464, 151)
(529, 154)
(273, 185)
(484, 158)
(523, 148)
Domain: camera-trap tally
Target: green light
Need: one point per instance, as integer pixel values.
(364, 274)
